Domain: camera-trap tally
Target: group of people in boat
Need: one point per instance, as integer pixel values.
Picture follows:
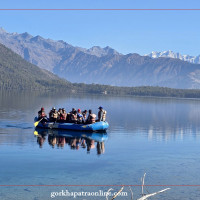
(74, 116)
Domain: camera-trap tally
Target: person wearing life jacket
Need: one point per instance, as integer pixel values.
(51, 111)
(74, 118)
(59, 111)
(70, 115)
(84, 113)
(59, 115)
(41, 114)
(101, 114)
(64, 115)
(53, 115)
(91, 117)
(68, 118)
(79, 117)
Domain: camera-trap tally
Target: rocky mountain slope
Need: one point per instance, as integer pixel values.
(102, 65)
(46, 53)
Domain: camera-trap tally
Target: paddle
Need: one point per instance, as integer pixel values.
(36, 123)
(36, 133)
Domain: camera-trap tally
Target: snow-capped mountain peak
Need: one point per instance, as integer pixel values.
(171, 54)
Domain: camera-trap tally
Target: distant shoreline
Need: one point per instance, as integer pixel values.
(146, 91)
(96, 89)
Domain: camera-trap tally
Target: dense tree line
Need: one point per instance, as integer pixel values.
(139, 91)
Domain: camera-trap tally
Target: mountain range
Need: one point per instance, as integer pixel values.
(102, 65)
(171, 54)
(17, 74)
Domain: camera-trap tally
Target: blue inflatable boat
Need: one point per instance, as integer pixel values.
(98, 126)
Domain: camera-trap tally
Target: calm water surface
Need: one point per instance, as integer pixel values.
(154, 135)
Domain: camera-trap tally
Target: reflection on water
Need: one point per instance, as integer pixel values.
(74, 140)
(158, 136)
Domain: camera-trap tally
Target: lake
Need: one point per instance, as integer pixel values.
(156, 136)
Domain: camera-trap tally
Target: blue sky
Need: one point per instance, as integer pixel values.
(126, 31)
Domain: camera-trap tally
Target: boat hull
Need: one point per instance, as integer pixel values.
(98, 126)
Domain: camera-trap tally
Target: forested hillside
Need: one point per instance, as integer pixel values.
(16, 73)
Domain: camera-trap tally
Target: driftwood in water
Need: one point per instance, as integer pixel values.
(118, 193)
(152, 194)
(131, 193)
(144, 196)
